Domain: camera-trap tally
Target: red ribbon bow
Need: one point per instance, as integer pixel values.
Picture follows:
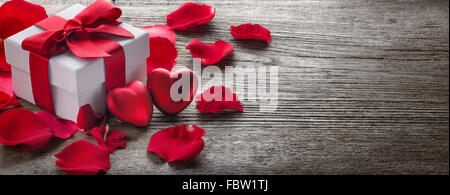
(82, 36)
(79, 33)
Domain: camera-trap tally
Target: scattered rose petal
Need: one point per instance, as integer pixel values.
(182, 142)
(11, 22)
(209, 53)
(88, 119)
(4, 67)
(163, 53)
(7, 100)
(216, 99)
(61, 128)
(190, 15)
(20, 126)
(163, 31)
(83, 158)
(6, 83)
(250, 31)
(112, 139)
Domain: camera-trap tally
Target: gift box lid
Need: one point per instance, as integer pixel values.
(69, 67)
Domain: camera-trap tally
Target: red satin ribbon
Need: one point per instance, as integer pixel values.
(82, 36)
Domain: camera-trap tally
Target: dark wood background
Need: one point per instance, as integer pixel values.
(363, 88)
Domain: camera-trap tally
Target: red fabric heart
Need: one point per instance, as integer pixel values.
(88, 119)
(209, 53)
(190, 15)
(182, 142)
(160, 82)
(11, 22)
(61, 128)
(20, 126)
(83, 158)
(131, 104)
(7, 100)
(163, 53)
(112, 139)
(250, 31)
(6, 83)
(216, 99)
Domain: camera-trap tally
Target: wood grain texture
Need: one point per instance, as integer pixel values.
(363, 89)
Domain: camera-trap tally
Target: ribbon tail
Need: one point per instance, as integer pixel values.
(40, 84)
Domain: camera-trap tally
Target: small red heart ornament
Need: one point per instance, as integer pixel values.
(131, 104)
(172, 92)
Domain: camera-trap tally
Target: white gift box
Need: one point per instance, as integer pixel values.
(75, 81)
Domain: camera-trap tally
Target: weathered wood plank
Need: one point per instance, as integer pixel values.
(363, 89)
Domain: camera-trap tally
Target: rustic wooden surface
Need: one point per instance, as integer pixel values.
(363, 88)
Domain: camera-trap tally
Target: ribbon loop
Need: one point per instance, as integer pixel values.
(98, 10)
(47, 43)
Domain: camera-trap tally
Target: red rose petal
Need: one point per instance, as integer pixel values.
(17, 15)
(163, 53)
(182, 142)
(88, 119)
(19, 126)
(209, 53)
(161, 31)
(190, 15)
(113, 138)
(7, 100)
(250, 31)
(4, 67)
(11, 22)
(6, 83)
(61, 128)
(209, 101)
(10, 26)
(83, 158)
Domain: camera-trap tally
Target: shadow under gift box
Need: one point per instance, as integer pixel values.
(76, 81)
